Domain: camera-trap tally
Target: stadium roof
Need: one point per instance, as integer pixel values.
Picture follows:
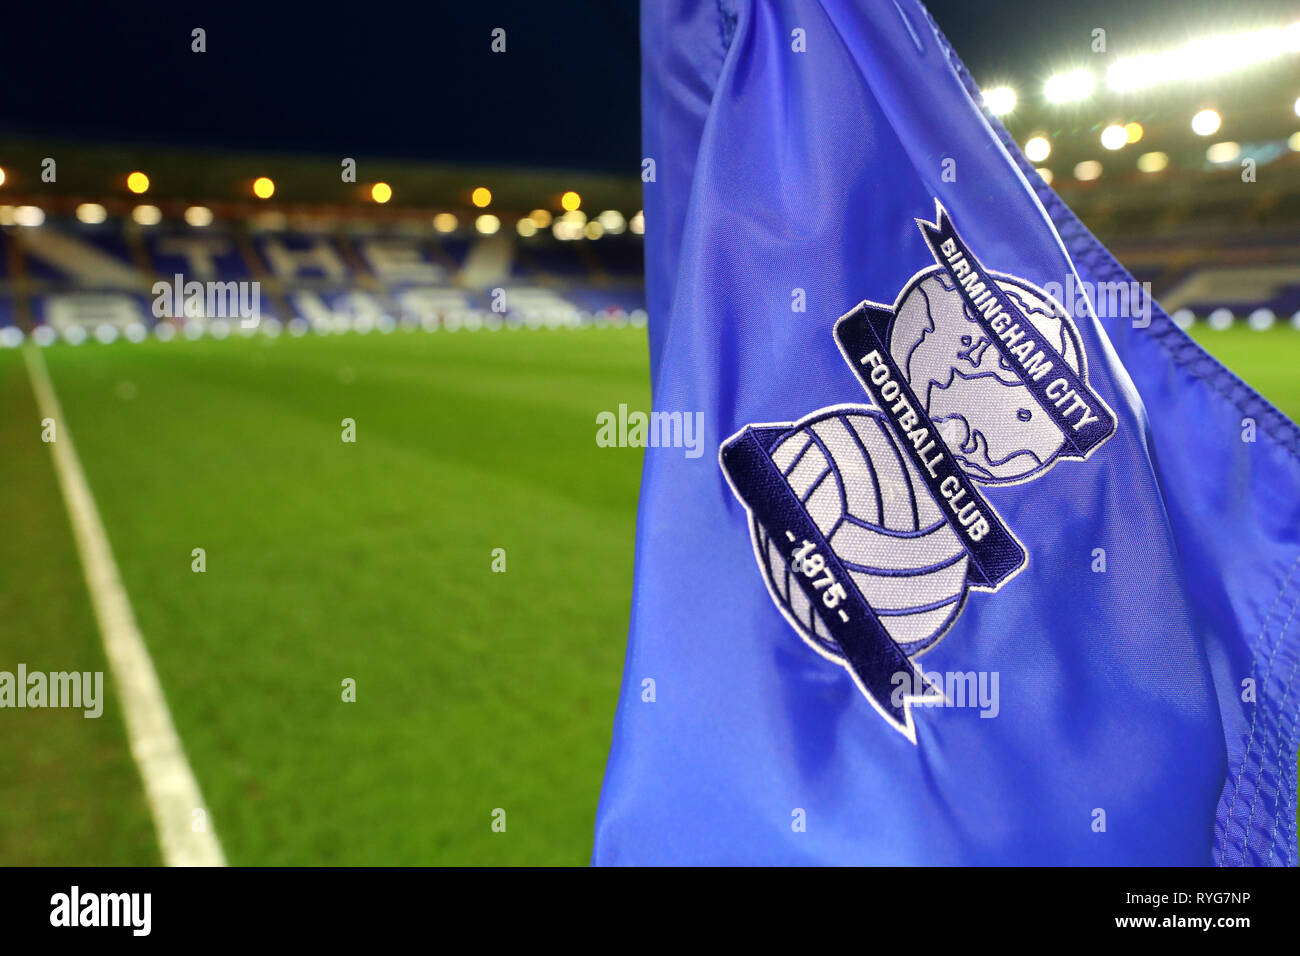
(186, 175)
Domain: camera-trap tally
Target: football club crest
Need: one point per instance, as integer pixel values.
(867, 520)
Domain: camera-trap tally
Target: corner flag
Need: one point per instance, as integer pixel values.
(976, 575)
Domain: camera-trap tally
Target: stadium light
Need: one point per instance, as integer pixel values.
(1203, 58)
(570, 201)
(1294, 142)
(1220, 319)
(540, 216)
(91, 213)
(445, 222)
(593, 229)
(381, 192)
(481, 197)
(1069, 87)
(1133, 132)
(1297, 113)
(1206, 123)
(637, 223)
(2, 172)
(487, 224)
(1114, 137)
(198, 216)
(612, 221)
(29, 216)
(1000, 100)
(1153, 162)
(269, 220)
(1037, 149)
(1087, 171)
(1223, 152)
(526, 227)
(263, 187)
(1045, 173)
(147, 215)
(1261, 320)
(137, 182)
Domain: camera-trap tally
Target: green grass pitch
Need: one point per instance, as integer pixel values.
(1268, 360)
(327, 560)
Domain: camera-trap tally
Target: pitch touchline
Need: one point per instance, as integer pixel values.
(169, 784)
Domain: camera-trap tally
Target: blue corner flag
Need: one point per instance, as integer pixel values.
(986, 562)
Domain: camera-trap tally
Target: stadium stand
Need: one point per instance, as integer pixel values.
(68, 280)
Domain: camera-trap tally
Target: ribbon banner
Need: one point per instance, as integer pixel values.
(1064, 395)
(995, 554)
(870, 652)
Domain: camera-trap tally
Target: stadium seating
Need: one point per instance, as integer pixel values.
(65, 280)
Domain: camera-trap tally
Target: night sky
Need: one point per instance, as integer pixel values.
(418, 81)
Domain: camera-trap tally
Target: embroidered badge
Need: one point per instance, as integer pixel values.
(867, 520)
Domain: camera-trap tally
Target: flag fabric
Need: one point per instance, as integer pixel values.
(986, 561)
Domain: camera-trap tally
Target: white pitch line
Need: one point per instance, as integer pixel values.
(169, 784)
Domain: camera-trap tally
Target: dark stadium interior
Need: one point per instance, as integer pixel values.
(424, 107)
(487, 193)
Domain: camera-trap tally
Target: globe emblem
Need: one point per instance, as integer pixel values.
(976, 397)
